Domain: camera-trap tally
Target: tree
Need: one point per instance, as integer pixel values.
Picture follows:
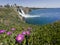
(7, 5)
(1, 6)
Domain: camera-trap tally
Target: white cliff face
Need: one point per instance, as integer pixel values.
(26, 15)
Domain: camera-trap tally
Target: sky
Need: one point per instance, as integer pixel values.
(33, 3)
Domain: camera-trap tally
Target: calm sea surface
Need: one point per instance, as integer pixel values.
(47, 16)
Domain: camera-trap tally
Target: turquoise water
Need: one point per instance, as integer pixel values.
(47, 16)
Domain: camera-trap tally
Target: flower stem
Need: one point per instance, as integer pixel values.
(26, 40)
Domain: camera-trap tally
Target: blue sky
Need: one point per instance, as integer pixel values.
(33, 3)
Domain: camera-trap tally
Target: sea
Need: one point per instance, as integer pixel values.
(46, 16)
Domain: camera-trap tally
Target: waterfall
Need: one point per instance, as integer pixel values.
(22, 11)
(26, 15)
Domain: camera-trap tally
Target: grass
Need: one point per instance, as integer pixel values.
(40, 35)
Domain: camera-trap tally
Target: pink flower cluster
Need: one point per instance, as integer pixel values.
(8, 33)
(26, 33)
(20, 37)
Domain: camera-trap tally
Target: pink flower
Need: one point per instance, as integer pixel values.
(29, 28)
(13, 29)
(9, 33)
(26, 33)
(19, 38)
(2, 31)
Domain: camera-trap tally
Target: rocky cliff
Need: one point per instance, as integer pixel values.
(25, 9)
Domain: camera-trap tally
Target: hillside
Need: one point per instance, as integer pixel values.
(9, 16)
(48, 34)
